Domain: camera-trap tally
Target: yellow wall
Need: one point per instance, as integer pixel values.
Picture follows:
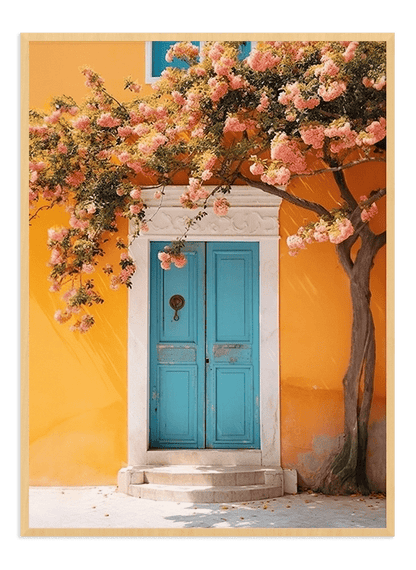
(78, 384)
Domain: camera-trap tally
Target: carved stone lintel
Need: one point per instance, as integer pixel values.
(252, 213)
(238, 222)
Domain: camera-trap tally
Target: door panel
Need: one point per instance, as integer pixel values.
(232, 345)
(204, 366)
(177, 355)
(178, 406)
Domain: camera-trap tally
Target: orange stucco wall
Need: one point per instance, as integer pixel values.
(78, 384)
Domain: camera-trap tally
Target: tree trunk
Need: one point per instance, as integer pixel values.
(346, 472)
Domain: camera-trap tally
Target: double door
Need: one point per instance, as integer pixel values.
(204, 353)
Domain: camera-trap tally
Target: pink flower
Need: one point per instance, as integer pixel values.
(236, 81)
(350, 51)
(57, 233)
(373, 133)
(124, 157)
(287, 151)
(135, 87)
(158, 195)
(264, 103)
(232, 124)
(82, 123)
(262, 60)
(340, 230)
(320, 232)
(257, 168)
(62, 316)
(276, 176)
(106, 120)
(182, 50)
(62, 148)
(295, 242)
(36, 166)
(368, 82)
(115, 282)
(88, 268)
(163, 256)
(206, 175)
(54, 117)
(75, 222)
(221, 206)
(313, 136)
(328, 68)
(125, 131)
(332, 91)
(136, 208)
(179, 260)
(178, 98)
(56, 257)
(380, 84)
(136, 194)
(343, 135)
(218, 89)
(75, 178)
(368, 212)
(209, 161)
(223, 65)
(216, 51)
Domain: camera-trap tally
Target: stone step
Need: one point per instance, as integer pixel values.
(205, 493)
(205, 475)
(204, 483)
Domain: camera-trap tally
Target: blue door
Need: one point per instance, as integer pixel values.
(204, 357)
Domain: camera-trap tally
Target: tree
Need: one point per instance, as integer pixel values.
(290, 109)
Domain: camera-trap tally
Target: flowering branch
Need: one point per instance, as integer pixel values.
(308, 205)
(287, 105)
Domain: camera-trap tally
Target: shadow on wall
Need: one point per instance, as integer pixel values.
(323, 446)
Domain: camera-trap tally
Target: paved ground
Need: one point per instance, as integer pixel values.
(104, 507)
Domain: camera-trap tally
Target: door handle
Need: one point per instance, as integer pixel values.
(177, 303)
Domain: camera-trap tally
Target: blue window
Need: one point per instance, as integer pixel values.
(159, 63)
(156, 58)
(245, 50)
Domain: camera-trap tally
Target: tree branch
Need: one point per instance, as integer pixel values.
(338, 168)
(344, 190)
(313, 206)
(374, 196)
(380, 240)
(344, 253)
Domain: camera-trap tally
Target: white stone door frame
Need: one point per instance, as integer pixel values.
(252, 217)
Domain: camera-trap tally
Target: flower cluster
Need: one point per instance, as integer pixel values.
(182, 50)
(290, 107)
(168, 257)
(221, 206)
(336, 230)
(195, 192)
(368, 212)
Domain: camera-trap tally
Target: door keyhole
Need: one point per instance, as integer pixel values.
(177, 303)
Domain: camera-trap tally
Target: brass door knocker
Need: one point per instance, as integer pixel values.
(176, 302)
